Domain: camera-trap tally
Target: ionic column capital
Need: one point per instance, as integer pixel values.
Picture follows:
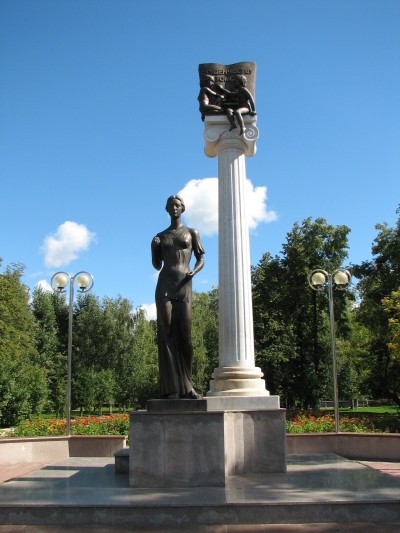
(218, 137)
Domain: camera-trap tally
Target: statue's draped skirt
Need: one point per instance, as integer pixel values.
(175, 350)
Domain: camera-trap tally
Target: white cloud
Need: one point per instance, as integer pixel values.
(63, 247)
(151, 311)
(201, 201)
(44, 285)
(256, 206)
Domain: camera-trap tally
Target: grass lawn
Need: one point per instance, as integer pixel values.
(381, 410)
(77, 414)
(384, 419)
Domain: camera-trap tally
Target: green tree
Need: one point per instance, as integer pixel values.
(204, 338)
(116, 346)
(93, 349)
(291, 321)
(142, 362)
(51, 334)
(95, 388)
(392, 307)
(106, 388)
(352, 354)
(23, 389)
(85, 389)
(379, 282)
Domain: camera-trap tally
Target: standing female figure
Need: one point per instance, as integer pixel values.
(171, 251)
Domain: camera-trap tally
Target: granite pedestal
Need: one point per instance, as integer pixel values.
(174, 447)
(84, 491)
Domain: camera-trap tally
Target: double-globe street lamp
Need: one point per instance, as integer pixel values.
(85, 282)
(320, 280)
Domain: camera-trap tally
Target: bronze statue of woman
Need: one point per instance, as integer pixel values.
(171, 251)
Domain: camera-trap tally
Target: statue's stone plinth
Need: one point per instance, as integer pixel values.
(174, 447)
(216, 403)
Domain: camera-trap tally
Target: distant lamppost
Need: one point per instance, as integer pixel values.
(320, 280)
(85, 282)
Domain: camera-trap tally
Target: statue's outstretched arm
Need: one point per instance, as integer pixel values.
(225, 91)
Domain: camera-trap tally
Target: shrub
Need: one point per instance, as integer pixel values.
(101, 425)
(299, 422)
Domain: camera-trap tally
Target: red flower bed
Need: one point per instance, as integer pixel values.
(298, 422)
(89, 425)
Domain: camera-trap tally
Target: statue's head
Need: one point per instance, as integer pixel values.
(242, 80)
(175, 197)
(207, 80)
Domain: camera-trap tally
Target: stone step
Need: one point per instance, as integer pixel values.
(122, 461)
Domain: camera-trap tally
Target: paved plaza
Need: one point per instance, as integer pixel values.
(321, 493)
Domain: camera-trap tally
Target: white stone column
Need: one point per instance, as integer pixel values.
(237, 374)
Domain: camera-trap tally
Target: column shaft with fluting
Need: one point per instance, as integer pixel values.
(236, 374)
(236, 341)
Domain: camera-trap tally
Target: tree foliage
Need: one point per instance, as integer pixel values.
(114, 353)
(141, 377)
(291, 321)
(392, 307)
(204, 338)
(115, 347)
(352, 353)
(23, 388)
(378, 311)
(50, 311)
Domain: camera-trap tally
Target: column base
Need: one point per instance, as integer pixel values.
(237, 381)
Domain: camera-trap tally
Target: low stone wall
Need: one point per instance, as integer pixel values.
(368, 446)
(33, 450)
(41, 449)
(95, 445)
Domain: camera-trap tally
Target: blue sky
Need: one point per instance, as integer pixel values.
(100, 124)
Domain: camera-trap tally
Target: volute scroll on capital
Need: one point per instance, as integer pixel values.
(218, 137)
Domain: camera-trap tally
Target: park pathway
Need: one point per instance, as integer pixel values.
(389, 468)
